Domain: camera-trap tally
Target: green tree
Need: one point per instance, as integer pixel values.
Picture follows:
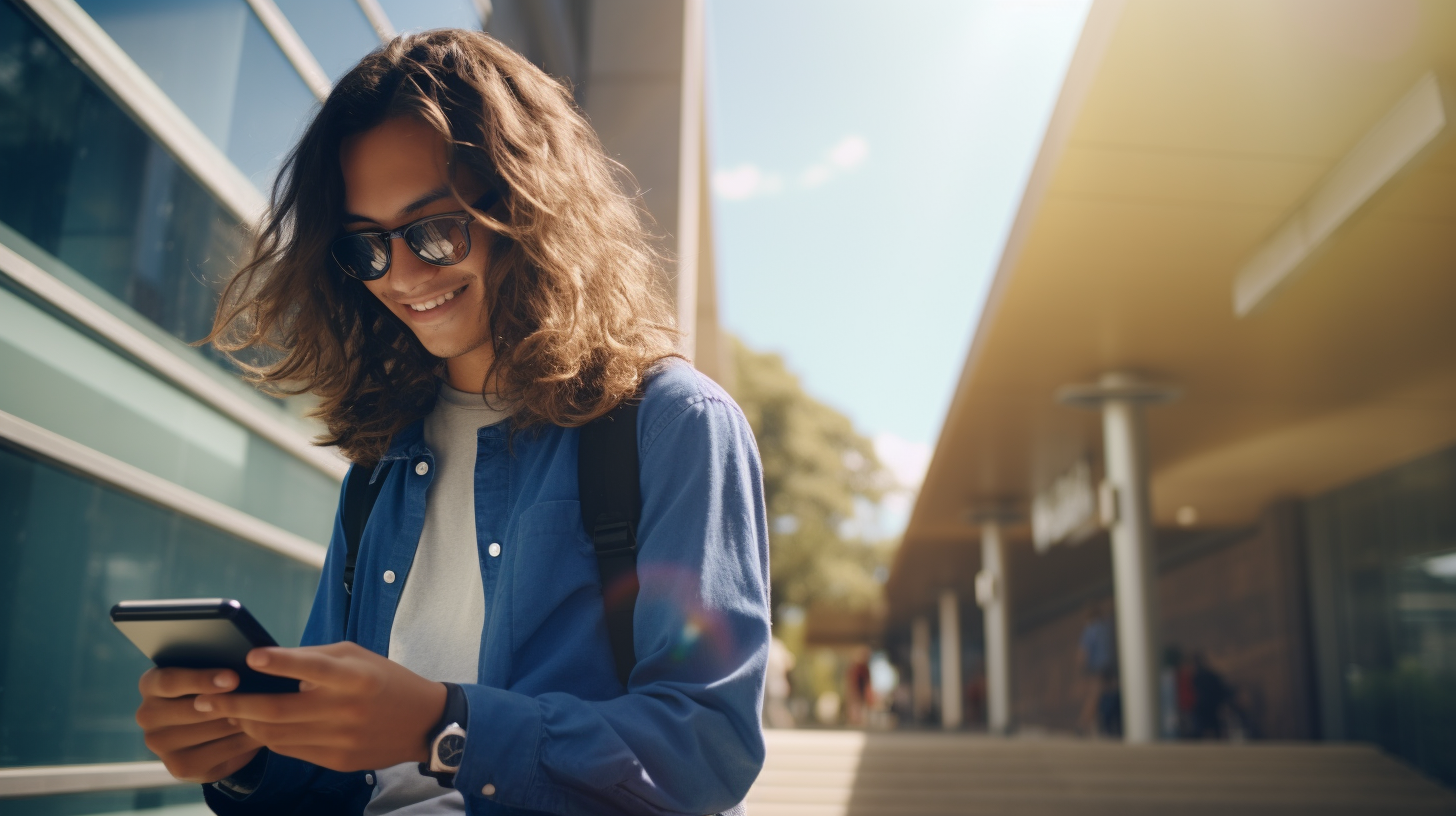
(817, 472)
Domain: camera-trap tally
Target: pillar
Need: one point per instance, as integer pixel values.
(920, 681)
(1122, 397)
(1133, 567)
(951, 687)
(991, 596)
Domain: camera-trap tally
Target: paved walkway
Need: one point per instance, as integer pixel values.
(850, 773)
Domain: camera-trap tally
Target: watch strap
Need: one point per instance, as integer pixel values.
(242, 782)
(457, 712)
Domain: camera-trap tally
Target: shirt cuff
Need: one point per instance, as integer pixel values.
(502, 749)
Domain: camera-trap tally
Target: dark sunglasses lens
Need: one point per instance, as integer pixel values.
(366, 257)
(441, 241)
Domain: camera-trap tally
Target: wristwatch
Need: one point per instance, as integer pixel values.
(447, 739)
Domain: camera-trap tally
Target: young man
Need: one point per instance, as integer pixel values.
(450, 268)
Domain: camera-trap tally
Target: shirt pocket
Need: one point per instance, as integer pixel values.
(555, 587)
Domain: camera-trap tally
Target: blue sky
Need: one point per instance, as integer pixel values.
(868, 159)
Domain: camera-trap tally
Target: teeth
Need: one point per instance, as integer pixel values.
(430, 304)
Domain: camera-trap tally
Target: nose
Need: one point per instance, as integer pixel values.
(406, 271)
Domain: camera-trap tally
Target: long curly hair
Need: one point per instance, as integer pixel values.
(574, 286)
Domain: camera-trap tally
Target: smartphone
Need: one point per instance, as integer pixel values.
(200, 633)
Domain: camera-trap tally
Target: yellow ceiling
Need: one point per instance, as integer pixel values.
(1169, 161)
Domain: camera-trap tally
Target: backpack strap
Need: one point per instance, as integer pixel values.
(607, 471)
(360, 494)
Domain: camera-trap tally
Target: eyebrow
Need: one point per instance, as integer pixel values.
(443, 191)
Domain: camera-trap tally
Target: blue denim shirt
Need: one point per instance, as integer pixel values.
(551, 727)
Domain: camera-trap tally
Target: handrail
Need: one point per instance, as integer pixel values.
(43, 780)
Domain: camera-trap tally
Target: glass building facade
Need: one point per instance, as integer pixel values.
(1383, 558)
(133, 465)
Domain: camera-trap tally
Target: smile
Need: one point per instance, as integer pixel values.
(426, 305)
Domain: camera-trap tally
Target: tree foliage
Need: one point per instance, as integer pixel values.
(818, 473)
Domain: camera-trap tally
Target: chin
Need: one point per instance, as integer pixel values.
(446, 349)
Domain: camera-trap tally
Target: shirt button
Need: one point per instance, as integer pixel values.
(488, 790)
(369, 779)
(494, 549)
(422, 468)
(389, 576)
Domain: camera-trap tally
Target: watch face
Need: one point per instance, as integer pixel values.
(450, 749)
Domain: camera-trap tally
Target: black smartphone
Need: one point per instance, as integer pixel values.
(200, 633)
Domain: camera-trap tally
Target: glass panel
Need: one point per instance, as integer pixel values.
(88, 186)
(89, 393)
(336, 31)
(271, 108)
(221, 67)
(420, 15)
(183, 800)
(1392, 541)
(73, 547)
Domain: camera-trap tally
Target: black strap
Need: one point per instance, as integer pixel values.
(611, 504)
(359, 496)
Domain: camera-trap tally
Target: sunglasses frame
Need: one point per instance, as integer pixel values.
(465, 219)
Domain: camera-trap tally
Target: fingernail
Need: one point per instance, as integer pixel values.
(202, 705)
(306, 685)
(257, 657)
(222, 680)
(232, 720)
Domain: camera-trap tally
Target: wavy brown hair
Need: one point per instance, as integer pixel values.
(573, 284)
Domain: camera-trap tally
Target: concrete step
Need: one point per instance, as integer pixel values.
(849, 773)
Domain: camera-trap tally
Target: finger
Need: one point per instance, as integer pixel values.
(175, 682)
(178, 737)
(298, 735)
(161, 712)
(203, 763)
(231, 766)
(320, 665)
(275, 708)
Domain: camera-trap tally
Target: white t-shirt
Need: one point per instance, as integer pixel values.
(441, 611)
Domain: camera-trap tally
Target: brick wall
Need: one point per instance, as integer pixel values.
(1240, 600)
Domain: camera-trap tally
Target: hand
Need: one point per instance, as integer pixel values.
(196, 746)
(354, 709)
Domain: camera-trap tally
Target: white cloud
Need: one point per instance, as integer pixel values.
(745, 181)
(850, 153)
(907, 460)
(749, 181)
(815, 175)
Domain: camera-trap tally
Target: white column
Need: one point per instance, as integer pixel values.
(991, 595)
(920, 681)
(951, 687)
(1133, 567)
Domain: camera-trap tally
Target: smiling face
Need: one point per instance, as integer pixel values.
(394, 174)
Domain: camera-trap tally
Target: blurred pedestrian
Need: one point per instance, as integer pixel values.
(1168, 692)
(776, 713)
(1097, 653)
(1210, 695)
(858, 694)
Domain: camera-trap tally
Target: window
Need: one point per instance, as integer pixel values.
(220, 65)
(336, 31)
(73, 547)
(85, 184)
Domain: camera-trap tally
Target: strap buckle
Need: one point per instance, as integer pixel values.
(614, 538)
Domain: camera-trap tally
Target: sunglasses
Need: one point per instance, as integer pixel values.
(442, 240)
